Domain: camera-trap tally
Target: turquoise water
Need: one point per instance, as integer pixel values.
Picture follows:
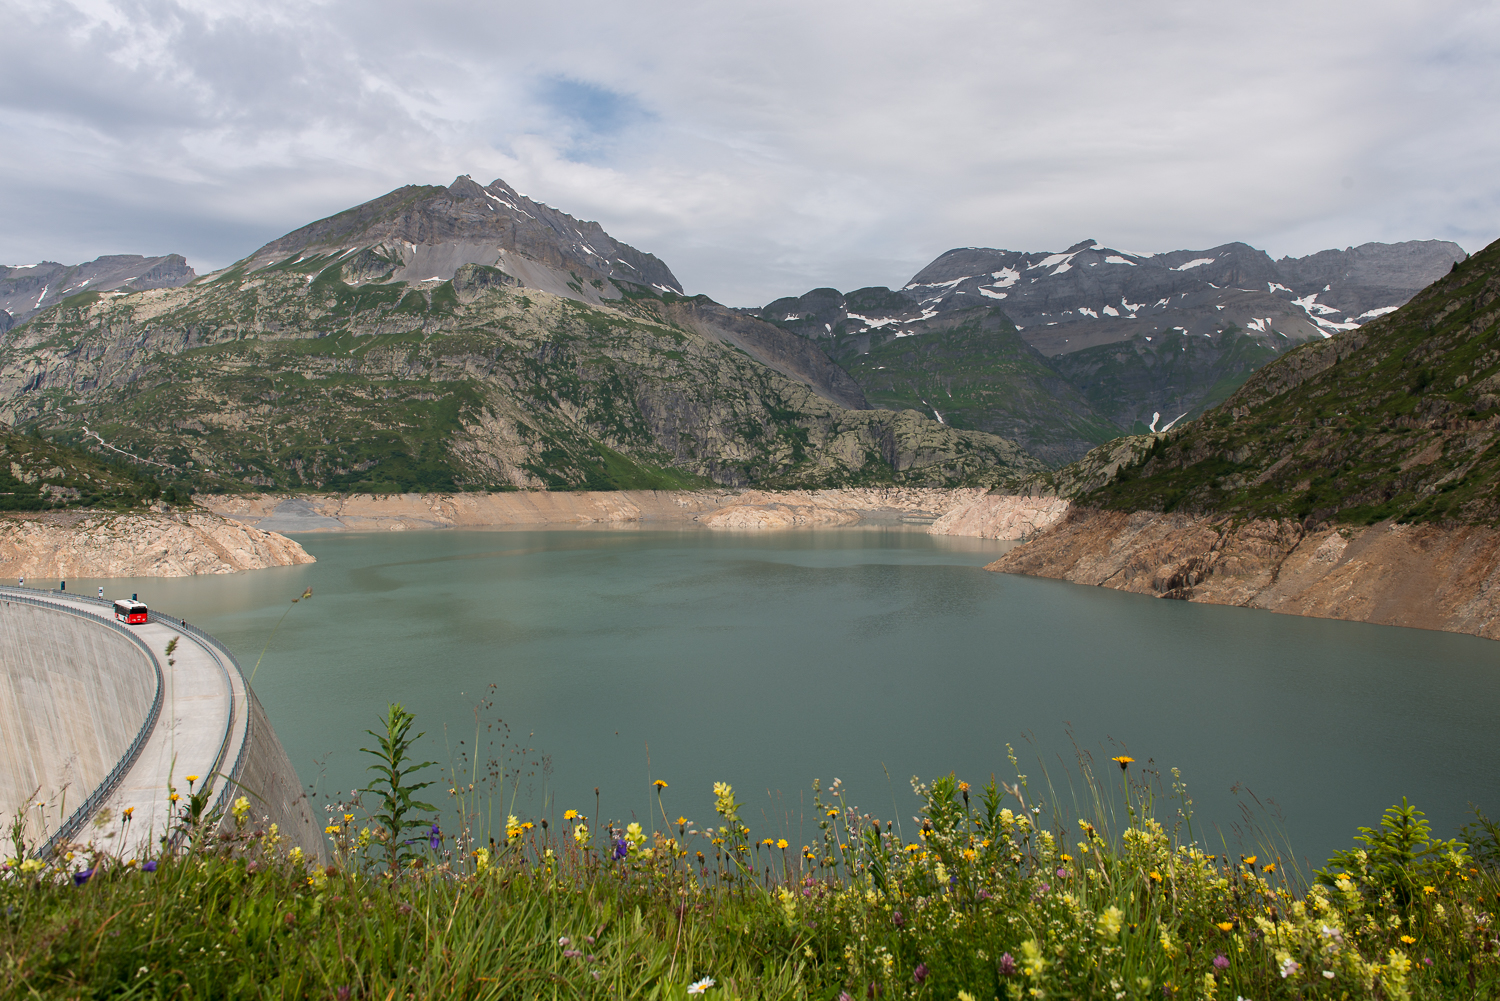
(771, 659)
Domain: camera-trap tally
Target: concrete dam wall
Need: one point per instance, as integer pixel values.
(73, 696)
(97, 718)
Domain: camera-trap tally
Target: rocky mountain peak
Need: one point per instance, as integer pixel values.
(422, 233)
(27, 289)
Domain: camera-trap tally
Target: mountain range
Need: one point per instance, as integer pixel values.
(470, 337)
(461, 338)
(1064, 351)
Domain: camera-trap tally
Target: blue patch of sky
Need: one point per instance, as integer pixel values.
(593, 115)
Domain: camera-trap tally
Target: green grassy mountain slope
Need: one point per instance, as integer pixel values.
(1397, 419)
(973, 371)
(40, 475)
(1169, 374)
(290, 377)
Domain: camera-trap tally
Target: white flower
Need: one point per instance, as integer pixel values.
(701, 986)
(563, 941)
(1328, 974)
(1289, 966)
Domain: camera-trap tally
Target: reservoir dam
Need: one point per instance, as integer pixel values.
(98, 718)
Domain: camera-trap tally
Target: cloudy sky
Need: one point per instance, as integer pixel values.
(761, 148)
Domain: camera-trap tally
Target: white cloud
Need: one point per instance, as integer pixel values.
(760, 149)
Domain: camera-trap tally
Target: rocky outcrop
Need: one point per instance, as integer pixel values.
(155, 544)
(1424, 576)
(1002, 516)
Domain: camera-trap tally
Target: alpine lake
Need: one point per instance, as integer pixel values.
(770, 659)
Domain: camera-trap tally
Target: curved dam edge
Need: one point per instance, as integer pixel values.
(1421, 576)
(71, 655)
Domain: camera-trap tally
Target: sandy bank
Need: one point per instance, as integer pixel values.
(155, 544)
(1425, 576)
(976, 512)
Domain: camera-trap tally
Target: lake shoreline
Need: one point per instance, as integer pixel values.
(964, 511)
(1445, 578)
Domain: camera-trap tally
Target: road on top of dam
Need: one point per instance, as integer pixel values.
(201, 730)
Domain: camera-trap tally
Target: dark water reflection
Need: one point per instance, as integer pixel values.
(769, 659)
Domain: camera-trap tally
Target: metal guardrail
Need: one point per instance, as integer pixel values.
(220, 653)
(105, 789)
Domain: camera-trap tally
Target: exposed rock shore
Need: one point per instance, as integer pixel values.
(968, 511)
(156, 544)
(1425, 576)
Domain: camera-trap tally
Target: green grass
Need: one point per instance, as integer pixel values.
(1006, 891)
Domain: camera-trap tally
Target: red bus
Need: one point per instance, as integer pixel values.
(132, 612)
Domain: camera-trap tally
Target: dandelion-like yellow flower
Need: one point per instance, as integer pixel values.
(1155, 876)
(191, 778)
(1268, 867)
(1250, 860)
(963, 787)
(331, 829)
(1123, 761)
(659, 784)
(1065, 857)
(1408, 940)
(781, 843)
(767, 841)
(348, 817)
(682, 821)
(833, 812)
(1226, 926)
(174, 797)
(570, 814)
(1429, 889)
(127, 812)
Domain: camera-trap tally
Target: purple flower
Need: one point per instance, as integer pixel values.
(344, 993)
(149, 865)
(898, 919)
(436, 840)
(1221, 961)
(1062, 874)
(572, 953)
(1007, 965)
(1043, 888)
(622, 847)
(920, 973)
(79, 878)
(844, 996)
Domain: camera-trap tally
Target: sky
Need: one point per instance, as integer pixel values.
(760, 149)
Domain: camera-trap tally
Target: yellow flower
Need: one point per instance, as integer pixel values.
(191, 778)
(965, 996)
(682, 821)
(1250, 860)
(659, 784)
(1408, 939)
(241, 808)
(781, 843)
(1226, 926)
(570, 814)
(348, 817)
(1123, 761)
(127, 812)
(833, 812)
(1268, 867)
(963, 787)
(1108, 923)
(331, 829)
(1429, 889)
(174, 797)
(1066, 857)
(767, 841)
(1155, 876)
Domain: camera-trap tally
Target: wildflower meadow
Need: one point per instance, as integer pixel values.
(1001, 889)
